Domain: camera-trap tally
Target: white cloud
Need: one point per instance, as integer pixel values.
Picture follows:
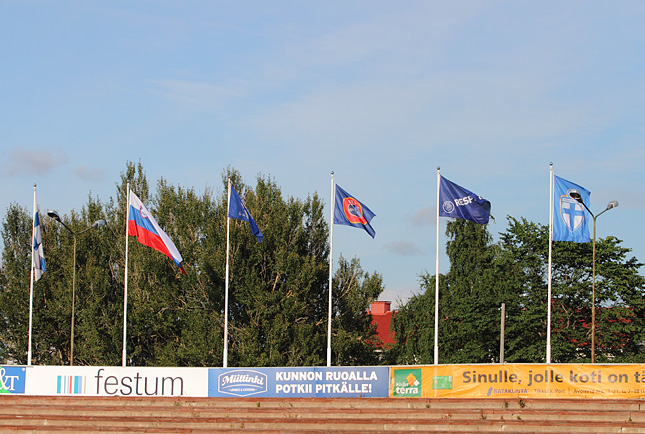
(35, 161)
(403, 248)
(425, 216)
(89, 174)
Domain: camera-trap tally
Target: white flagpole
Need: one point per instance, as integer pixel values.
(228, 222)
(548, 315)
(436, 280)
(31, 284)
(331, 264)
(125, 291)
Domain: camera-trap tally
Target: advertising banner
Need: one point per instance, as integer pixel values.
(319, 382)
(519, 381)
(116, 381)
(584, 381)
(12, 379)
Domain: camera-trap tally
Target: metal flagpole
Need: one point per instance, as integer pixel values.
(502, 331)
(436, 280)
(31, 284)
(548, 315)
(125, 292)
(331, 262)
(228, 222)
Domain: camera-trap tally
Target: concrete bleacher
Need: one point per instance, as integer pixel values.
(73, 414)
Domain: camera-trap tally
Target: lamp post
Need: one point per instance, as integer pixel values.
(613, 204)
(54, 214)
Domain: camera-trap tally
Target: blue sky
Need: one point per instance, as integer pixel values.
(380, 92)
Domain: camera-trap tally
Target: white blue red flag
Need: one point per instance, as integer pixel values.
(144, 226)
(349, 211)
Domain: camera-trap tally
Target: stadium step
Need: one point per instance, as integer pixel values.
(74, 414)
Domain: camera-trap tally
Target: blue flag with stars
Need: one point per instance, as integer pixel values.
(569, 215)
(237, 210)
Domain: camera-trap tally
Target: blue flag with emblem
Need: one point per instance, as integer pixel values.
(349, 211)
(457, 202)
(237, 210)
(569, 216)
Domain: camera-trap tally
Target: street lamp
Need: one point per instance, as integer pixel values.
(54, 214)
(574, 194)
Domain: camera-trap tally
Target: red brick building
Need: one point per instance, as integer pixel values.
(382, 318)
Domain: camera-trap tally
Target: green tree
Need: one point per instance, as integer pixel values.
(469, 301)
(354, 337)
(472, 297)
(175, 319)
(619, 298)
(278, 288)
(515, 272)
(14, 283)
(413, 325)
(52, 296)
(275, 286)
(523, 271)
(94, 303)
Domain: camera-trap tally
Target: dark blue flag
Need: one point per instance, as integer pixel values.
(457, 202)
(569, 217)
(237, 210)
(349, 211)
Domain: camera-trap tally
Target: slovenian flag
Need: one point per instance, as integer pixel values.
(144, 226)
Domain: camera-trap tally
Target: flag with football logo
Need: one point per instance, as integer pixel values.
(569, 214)
(351, 212)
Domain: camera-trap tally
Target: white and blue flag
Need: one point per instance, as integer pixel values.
(457, 202)
(570, 217)
(37, 255)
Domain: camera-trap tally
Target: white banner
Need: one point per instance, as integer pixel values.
(116, 381)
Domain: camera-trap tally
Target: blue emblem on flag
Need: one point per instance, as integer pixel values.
(572, 212)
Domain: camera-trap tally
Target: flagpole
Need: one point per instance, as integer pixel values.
(548, 315)
(436, 279)
(331, 264)
(228, 222)
(31, 284)
(125, 291)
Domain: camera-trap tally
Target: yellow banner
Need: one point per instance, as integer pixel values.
(519, 380)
